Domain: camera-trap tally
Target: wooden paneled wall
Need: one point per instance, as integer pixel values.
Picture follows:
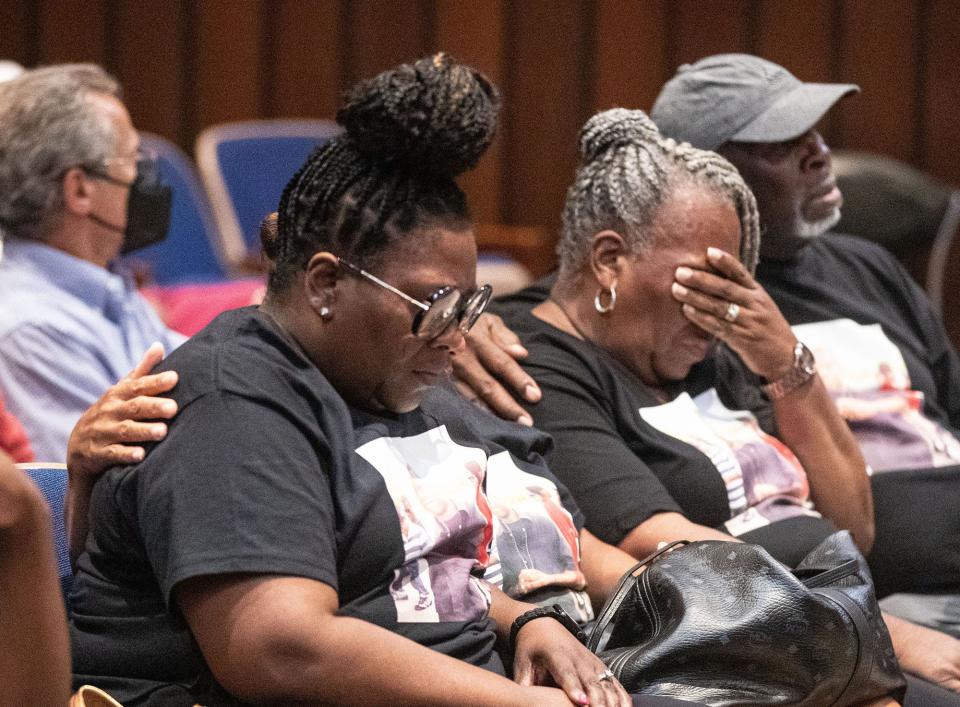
(186, 64)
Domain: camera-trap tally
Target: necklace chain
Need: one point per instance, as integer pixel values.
(570, 320)
(661, 393)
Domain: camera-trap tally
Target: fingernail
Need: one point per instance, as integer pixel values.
(168, 408)
(168, 377)
(137, 454)
(532, 392)
(158, 431)
(714, 253)
(517, 350)
(683, 273)
(688, 309)
(582, 698)
(678, 289)
(525, 420)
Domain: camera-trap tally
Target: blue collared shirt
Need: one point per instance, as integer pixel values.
(69, 330)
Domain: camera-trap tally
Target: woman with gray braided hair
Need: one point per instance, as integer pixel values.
(307, 532)
(679, 401)
(658, 244)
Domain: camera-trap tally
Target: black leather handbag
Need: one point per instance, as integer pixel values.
(723, 623)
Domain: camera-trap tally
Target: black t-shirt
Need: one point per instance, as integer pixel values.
(266, 470)
(620, 467)
(535, 553)
(838, 276)
(917, 544)
(917, 547)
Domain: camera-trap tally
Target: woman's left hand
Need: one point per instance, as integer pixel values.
(731, 305)
(546, 651)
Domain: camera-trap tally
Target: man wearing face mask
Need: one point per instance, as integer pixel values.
(75, 193)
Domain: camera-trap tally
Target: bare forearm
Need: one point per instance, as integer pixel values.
(810, 425)
(358, 663)
(902, 635)
(666, 528)
(922, 651)
(279, 640)
(35, 660)
(603, 565)
(77, 513)
(503, 611)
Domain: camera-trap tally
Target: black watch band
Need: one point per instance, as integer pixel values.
(554, 612)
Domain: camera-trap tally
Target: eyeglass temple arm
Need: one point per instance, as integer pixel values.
(373, 278)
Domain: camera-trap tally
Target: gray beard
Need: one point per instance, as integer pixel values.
(813, 229)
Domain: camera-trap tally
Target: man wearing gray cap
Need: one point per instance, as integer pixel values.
(880, 346)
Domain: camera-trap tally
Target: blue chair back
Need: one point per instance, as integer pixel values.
(245, 167)
(189, 253)
(52, 481)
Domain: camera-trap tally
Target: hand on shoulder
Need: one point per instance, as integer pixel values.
(487, 373)
(109, 431)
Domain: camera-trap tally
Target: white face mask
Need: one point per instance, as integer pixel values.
(814, 229)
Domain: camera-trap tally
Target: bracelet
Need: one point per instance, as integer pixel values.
(554, 612)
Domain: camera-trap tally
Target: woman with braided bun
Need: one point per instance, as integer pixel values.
(658, 244)
(306, 532)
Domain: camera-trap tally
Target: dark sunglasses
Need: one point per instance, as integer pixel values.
(442, 308)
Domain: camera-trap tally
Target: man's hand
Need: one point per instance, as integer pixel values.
(487, 373)
(547, 653)
(926, 653)
(108, 432)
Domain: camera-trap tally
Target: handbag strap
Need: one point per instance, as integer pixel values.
(627, 582)
(865, 641)
(829, 576)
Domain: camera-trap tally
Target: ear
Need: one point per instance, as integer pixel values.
(322, 275)
(608, 257)
(78, 191)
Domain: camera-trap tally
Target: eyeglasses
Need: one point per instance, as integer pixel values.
(145, 159)
(143, 154)
(443, 307)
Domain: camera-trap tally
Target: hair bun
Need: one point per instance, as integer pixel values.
(614, 128)
(435, 115)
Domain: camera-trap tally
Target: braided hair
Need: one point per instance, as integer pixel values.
(408, 132)
(627, 172)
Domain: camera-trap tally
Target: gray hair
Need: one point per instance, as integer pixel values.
(627, 172)
(47, 126)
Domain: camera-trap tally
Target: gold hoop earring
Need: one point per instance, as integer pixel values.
(598, 300)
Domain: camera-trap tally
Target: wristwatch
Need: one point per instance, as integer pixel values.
(804, 368)
(553, 612)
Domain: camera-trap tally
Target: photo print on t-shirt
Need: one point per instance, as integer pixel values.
(535, 541)
(868, 380)
(765, 481)
(437, 488)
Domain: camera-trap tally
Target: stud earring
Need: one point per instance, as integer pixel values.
(322, 309)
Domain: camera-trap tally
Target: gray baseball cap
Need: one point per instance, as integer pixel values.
(740, 97)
